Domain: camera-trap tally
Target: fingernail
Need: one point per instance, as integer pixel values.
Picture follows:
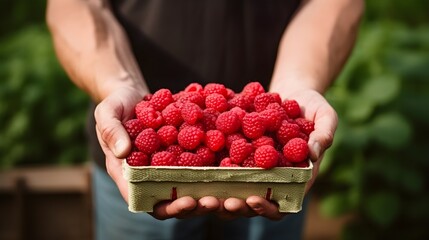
(120, 147)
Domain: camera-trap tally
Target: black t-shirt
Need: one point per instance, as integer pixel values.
(179, 42)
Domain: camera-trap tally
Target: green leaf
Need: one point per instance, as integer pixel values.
(382, 208)
(381, 89)
(359, 109)
(391, 130)
(335, 204)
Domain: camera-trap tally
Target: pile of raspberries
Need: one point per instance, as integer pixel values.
(212, 125)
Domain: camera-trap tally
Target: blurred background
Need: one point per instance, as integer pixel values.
(373, 183)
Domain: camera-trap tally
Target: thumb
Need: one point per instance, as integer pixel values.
(322, 136)
(111, 132)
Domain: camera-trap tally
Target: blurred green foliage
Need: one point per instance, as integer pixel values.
(377, 168)
(42, 114)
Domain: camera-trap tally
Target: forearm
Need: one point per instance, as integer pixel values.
(316, 45)
(92, 47)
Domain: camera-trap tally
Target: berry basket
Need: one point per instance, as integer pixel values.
(150, 184)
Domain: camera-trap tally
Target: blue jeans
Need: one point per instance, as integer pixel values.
(114, 221)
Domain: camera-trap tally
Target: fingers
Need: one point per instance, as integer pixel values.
(185, 207)
(323, 135)
(265, 208)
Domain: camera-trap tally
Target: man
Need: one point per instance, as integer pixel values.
(118, 51)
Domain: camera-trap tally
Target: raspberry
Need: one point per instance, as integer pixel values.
(150, 118)
(191, 112)
(253, 125)
(215, 88)
(306, 126)
(283, 162)
(240, 150)
(266, 157)
(217, 102)
(207, 156)
(190, 137)
(249, 161)
(303, 164)
(303, 136)
(292, 108)
(230, 93)
(242, 101)
(287, 131)
(190, 159)
(194, 87)
(264, 140)
(215, 140)
(147, 97)
(193, 97)
(209, 119)
(276, 97)
(262, 100)
(279, 108)
(226, 162)
(239, 111)
(231, 138)
(142, 105)
(175, 149)
(228, 122)
(296, 150)
(137, 159)
(197, 125)
(133, 127)
(253, 89)
(167, 135)
(163, 158)
(272, 119)
(172, 115)
(147, 141)
(161, 98)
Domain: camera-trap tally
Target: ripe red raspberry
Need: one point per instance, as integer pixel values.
(190, 159)
(264, 140)
(172, 115)
(215, 88)
(292, 108)
(137, 159)
(215, 140)
(197, 125)
(272, 119)
(303, 164)
(163, 158)
(226, 162)
(148, 141)
(209, 119)
(283, 162)
(279, 108)
(167, 135)
(296, 150)
(161, 98)
(240, 150)
(266, 157)
(193, 97)
(175, 149)
(190, 137)
(217, 102)
(150, 117)
(287, 131)
(276, 97)
(231, 138)
(304, 136)
(207, 155)
(253, 125)
(228, 122)
(242, 101)
(262, 100)
(249, 161)
(194, 87)
(230, 93)
(306, 126)
(239, 111)
(253, 89)
(142, 105)
(191, 112)
(133, 127)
